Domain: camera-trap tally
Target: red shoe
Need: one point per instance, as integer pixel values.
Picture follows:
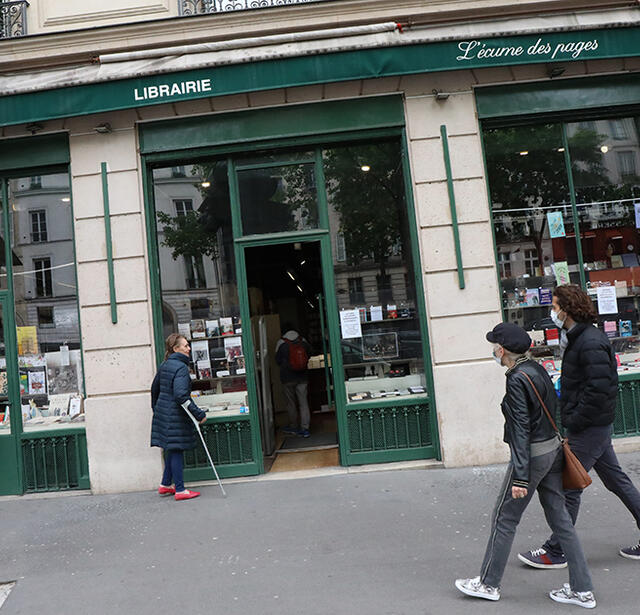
(187, 495)
(162, 490)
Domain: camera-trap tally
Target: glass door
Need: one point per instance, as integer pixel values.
(10, 415)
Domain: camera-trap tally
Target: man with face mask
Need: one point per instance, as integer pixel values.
(535, 465)
(589, 390)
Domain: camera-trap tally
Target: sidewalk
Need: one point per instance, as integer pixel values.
(382, 543)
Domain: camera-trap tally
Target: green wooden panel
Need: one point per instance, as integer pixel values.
(46, 150)
(322, 68)
(275, 123)
(558, 96)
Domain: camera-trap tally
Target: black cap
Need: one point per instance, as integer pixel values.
(511, 337)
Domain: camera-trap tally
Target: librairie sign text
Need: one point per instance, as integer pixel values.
(544, 50)
(168, 90)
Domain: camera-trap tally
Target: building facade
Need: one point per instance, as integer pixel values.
(391, 181)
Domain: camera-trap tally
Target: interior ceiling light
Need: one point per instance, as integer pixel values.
(303, 262)
(561, 149)
(205, 184)
(524, 153)
(604, 149)
(291, 275)
(365, 168)
(65, 199)
(300, 289)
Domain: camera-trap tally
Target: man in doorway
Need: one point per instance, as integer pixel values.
(292, 356)
(588, 393)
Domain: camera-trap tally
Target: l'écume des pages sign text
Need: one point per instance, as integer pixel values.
(541, 50)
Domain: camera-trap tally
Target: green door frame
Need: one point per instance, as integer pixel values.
(11, 477)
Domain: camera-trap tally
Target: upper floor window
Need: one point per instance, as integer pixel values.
(38, 226)
(183, 206)
(35, 182)
(42, 272)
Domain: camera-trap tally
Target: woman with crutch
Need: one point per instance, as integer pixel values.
(171, 428)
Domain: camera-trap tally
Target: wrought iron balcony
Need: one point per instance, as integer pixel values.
(13, 18)
(203, 7)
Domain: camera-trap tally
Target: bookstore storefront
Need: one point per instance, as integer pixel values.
(391, 207)
(564, 183)
(319, 237)
(42, 439)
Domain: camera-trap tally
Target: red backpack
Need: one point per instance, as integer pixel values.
(298, 357)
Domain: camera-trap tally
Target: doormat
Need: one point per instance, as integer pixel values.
(292, 444)
(5, 590)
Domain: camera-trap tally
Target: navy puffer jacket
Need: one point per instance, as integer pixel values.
(171, 428)
(589, 385)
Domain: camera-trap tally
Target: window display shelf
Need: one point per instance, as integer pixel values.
(399, 319)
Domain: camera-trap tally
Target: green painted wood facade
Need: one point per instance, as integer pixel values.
(367, 432)
(43, 460)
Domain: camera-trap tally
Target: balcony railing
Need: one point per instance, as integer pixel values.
(202, 7)
(13, 18)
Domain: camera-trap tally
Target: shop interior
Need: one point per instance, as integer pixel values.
(285, 290)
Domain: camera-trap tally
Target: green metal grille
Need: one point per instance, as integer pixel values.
(55, 463)
(627, 421)
(228, 443)
(389, 428)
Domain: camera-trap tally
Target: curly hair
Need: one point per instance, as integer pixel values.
(575, 302)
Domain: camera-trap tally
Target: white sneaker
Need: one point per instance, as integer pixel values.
(473, 587)
(568, 596)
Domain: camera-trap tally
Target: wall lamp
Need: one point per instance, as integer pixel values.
(33, 128)
(555, 71)
(104, 128)
(439, 94)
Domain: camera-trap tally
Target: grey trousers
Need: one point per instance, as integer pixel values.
(594, 450)
(293, 391)
(546, 478)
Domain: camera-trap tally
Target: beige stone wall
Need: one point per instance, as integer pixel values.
(118, 358)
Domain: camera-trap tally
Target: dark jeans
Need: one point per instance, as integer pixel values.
(545, 476)
(594, 450)
(173, 464)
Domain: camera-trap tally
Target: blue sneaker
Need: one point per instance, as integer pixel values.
(290, 430)
(304, 433)
(541, 558)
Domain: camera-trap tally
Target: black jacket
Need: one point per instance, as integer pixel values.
(589, 381)
(525, 420)
(171, 428)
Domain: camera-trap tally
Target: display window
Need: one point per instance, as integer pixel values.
(381, 342)
(43, 272)
(198, 280)
(546, 236)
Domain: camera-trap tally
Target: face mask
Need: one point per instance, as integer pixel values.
(556, 319)
(498, 360)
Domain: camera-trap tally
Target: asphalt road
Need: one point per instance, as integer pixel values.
(384, 543)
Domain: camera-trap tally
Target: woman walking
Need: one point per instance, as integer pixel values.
(536, 465)
(171, 428)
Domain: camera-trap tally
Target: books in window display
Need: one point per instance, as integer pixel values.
(62, 379)
(198, 330)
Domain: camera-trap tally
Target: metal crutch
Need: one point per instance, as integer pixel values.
(185, 407)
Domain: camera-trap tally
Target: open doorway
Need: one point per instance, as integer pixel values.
(285, 288)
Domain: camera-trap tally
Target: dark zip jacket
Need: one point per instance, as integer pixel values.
(589, 380)
(525, 420)
(171, 428)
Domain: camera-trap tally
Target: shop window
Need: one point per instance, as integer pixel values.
(198, 281)
(43, 277)
(276, 199)
(45, 316)
(38, 226)
(382, 355)
(534, 221)
(356, 294)
(48, 336)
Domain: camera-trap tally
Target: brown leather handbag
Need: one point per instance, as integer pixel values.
(574, 476)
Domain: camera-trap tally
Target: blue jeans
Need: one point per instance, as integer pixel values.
(545, 476)
(173, 464)
(594, 450)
